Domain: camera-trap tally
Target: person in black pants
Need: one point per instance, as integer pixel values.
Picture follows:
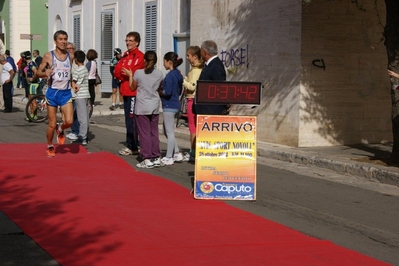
(92, 69)
(7, 76)
(132, 59)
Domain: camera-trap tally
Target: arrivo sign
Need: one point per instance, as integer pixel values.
(225, 157)
(228, 92)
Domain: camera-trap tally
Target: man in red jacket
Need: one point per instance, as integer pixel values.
(132, 59)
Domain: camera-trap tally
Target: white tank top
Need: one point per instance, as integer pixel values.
(61, 77)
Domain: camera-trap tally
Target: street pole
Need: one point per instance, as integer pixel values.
(31, 39)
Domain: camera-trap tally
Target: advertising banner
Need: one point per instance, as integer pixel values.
(225, 158)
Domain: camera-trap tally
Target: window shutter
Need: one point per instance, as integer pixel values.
(107, 35)
(76, 31)
(151, 26)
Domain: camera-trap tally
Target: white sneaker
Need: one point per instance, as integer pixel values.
(72, 136)
(178, 157)
(186, 157)
(145, 164)
(167, 161)
(157, 162)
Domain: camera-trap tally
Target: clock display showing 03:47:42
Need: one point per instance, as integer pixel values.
(228, 92)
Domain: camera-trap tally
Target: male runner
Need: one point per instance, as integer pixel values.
(56, 67)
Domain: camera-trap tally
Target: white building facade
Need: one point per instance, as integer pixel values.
(102, 25)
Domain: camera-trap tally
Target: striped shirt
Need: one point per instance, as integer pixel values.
(81, 78)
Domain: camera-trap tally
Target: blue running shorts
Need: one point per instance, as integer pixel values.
(55, 97)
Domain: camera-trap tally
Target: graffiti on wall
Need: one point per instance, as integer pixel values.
(238, 57)
(319, 63)
(235, 57)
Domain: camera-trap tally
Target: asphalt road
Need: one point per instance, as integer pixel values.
(357, 214)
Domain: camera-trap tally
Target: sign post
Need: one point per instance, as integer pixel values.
(225, 160)
(31, 37)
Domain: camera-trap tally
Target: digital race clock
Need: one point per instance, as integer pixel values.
(228, 92)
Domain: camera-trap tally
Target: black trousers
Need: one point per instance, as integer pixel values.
(7, 96)
(92, 90)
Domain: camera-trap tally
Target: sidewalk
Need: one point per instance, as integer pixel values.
(369, 161)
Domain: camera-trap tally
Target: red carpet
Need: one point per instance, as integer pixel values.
(94, 209)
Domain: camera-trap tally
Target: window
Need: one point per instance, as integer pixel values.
(76, 31)
(107, 35)
(151, 26)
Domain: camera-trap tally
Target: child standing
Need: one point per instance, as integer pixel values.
(170, 93)
(80, 84)
(147, 82)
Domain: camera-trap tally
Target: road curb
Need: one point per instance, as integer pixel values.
(357, 169)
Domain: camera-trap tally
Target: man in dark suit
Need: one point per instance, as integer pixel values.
(213, 70)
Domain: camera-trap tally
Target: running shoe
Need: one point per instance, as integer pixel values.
(167, 161)
(125, 151)
(186, 157)
(72, 136)
(60, 135)
(178, 157)
(50, 152)
(32, 118)
(157, 162)
(112, 107)
(145, 164)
